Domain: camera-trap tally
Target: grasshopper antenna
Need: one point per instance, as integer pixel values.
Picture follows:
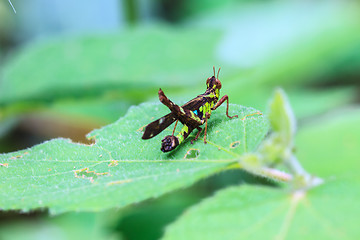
(214, 70)
(218, 73)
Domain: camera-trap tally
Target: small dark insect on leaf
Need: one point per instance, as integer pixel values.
(192, 115)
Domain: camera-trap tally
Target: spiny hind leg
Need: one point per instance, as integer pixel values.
(179, 111)
(184, 115)
(175, 126)
(169, 143)
(165, 100)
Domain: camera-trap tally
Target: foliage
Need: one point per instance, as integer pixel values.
(121, 168)
(297, 211)
(296, 181)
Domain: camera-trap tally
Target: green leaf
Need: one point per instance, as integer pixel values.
(281, 116)
(100, 111)
(328, 148)
(121, 168)
(309, 103)
(250, 212)
(122, 66)
(305, 102)
(278, 146)
(91, 65)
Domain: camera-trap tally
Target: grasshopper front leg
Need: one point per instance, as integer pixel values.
(221, 101)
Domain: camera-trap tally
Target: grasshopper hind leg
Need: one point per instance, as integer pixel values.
(169, 143)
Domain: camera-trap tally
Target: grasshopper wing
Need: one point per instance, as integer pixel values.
(195, 103)
(157, 126)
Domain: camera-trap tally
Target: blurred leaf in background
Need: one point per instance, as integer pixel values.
(67, 68)
(298, 45)
(67, 226)
(324, 212)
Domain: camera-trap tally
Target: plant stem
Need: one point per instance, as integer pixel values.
(302, 179)
(294, 166)
(271, 173)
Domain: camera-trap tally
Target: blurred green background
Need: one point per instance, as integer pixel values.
(67, 67)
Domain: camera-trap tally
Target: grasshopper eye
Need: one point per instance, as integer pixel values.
(218, 84)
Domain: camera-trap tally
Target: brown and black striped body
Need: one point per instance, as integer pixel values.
(192, 115)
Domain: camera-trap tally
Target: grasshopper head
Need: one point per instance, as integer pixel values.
(214, 82)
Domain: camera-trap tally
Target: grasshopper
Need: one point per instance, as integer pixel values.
(192, 115)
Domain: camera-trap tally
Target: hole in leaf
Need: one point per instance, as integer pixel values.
(86, 174)
(4, 165)
(234, 144)
(192, 153)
